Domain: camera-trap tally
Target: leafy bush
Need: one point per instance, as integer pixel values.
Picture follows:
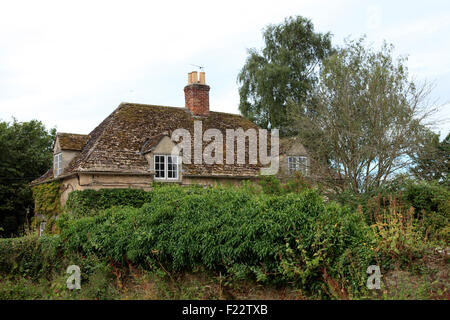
(29, 256)
(97, 284)
(427, 197)
(398, 237)
(34, 267)
(272, 186)
(269, 232)
(430, 201)
(291, 238)
(89, 202)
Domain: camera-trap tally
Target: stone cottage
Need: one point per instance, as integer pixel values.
(133, 147)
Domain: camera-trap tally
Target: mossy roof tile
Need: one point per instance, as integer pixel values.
(71, 141)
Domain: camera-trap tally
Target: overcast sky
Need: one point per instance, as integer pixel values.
(71, 63)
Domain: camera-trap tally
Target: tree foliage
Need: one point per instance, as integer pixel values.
(25, 155)
(431, 160)
(284, 70)
(367, 117)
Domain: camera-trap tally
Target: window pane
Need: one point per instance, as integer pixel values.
(303, 163)
(297, 163)
(57, 164)
(292, 165)
(159, 167)
(172, 167)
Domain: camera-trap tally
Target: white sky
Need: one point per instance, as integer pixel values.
(71, 63)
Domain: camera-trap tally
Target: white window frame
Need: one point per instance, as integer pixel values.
(174, 160)
(298, 163)
(166, 167)
(159, 170)
(57, 164)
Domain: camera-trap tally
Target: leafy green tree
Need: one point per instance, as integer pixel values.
(367, 118)
(284, 70)
(431, 160)
(25, 155)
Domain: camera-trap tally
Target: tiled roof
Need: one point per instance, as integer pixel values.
(45, 177)
(116, 145)
(286, 144)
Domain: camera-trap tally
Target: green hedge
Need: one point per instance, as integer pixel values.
(90, 202)
(40, 258)
(290, 238)
(29, 256)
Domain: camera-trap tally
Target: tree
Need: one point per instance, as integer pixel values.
(431, 159)
(25, 155)
(284, 70)
(367, 117)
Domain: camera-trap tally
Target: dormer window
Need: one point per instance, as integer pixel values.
(57, 164)
(296, 163)
(166, 167)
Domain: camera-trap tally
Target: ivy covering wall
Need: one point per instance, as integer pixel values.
(47, 202)
(47, 198)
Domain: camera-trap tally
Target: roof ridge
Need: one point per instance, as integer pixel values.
(77, 134)
(147, 105)
(184, 108)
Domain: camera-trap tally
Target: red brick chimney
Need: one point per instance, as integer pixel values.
(196, 94)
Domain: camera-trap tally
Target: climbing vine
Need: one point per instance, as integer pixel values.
(47, 198)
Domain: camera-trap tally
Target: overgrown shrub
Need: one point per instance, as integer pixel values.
(291, 238)
(90, 202)
(427, 197)
(429, 200)
(270, 232)
(97, 283)
(34, 267)
(399, 239)
(272, 186)
(431, 203)
(29, 256)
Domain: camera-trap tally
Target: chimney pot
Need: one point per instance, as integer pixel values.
(202, 77)
(194, 77)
